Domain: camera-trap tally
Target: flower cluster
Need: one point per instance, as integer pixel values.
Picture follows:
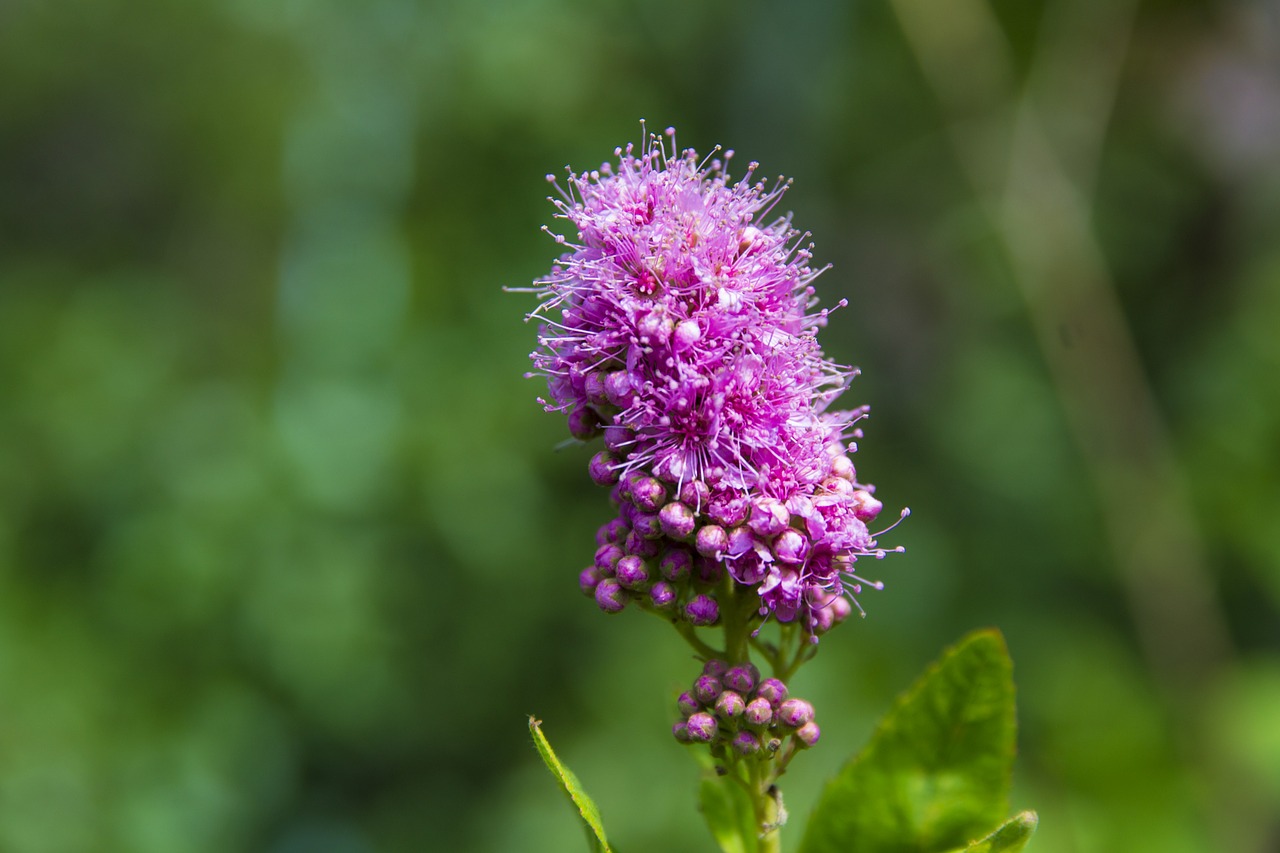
(731, 708)
(680, 324)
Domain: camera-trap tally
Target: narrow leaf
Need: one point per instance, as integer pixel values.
(936, 772)
(1011, 837)
(587, 811)
(727, 809)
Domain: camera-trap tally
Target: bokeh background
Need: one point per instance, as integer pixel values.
(287, 554)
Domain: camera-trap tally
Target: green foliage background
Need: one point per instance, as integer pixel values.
(286, 556)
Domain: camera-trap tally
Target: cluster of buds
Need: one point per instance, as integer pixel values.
(734, 711)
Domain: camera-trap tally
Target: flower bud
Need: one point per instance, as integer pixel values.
(706, 689)
(838, 486)
(615, 530)
(584, 423)
(702, 611)
(687, 704)
(617, 388)
(675, 564)
(681, 731)
(865, 507)
(695, 494)
(662, 595)
(715, 667)
(730, 705)
(702, 727)
(631, 572)
(610, 596)
(588, 578)
(648, 494)
(840, 609)
(746, 743)
(808, 734)
(769, 516)
(607, 557)
(593, 387)
(641, 546)
(772, 690)
(647, 524)
(741, 678)
(601, 469)
(791, 546)
(842, 467)
(712, 539)
(618, 438)
(758, 712)
(677, 520)
(821, 619)
(794, 713)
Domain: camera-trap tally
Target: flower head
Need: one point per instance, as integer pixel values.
(680, 321)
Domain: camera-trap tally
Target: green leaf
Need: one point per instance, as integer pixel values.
(587, 811)
(936, 772)
(1011, 837)
(727, 809)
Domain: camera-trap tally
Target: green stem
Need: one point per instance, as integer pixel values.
(691, 637)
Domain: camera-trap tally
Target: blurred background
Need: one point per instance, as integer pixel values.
(287, 554)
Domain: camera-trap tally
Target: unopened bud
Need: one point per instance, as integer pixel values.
(618, 438)
(687, 704)
(741, 678)
(746, 743)
(808, 734)
(695, 494)
(702, 727)
(602, 468)
(617, 387)
(794, 713)
(648, 494)
(730, 705)
(612, 531)
(772, 690)
(712, 539)
(593, 387)
(677, 520)
(675, 564)
(607, 557)
(702, 611)
(865, 506)
(758, 712)
(706, 689)
(715, 667)
(610, 596)
(662, 595)
(584, 423)
(631, 572)
(588, 578)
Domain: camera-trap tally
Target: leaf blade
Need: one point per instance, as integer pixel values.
(588, 813)
(1010, 837)
(936, 772)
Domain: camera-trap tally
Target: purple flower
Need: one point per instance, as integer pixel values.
(680, 322)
